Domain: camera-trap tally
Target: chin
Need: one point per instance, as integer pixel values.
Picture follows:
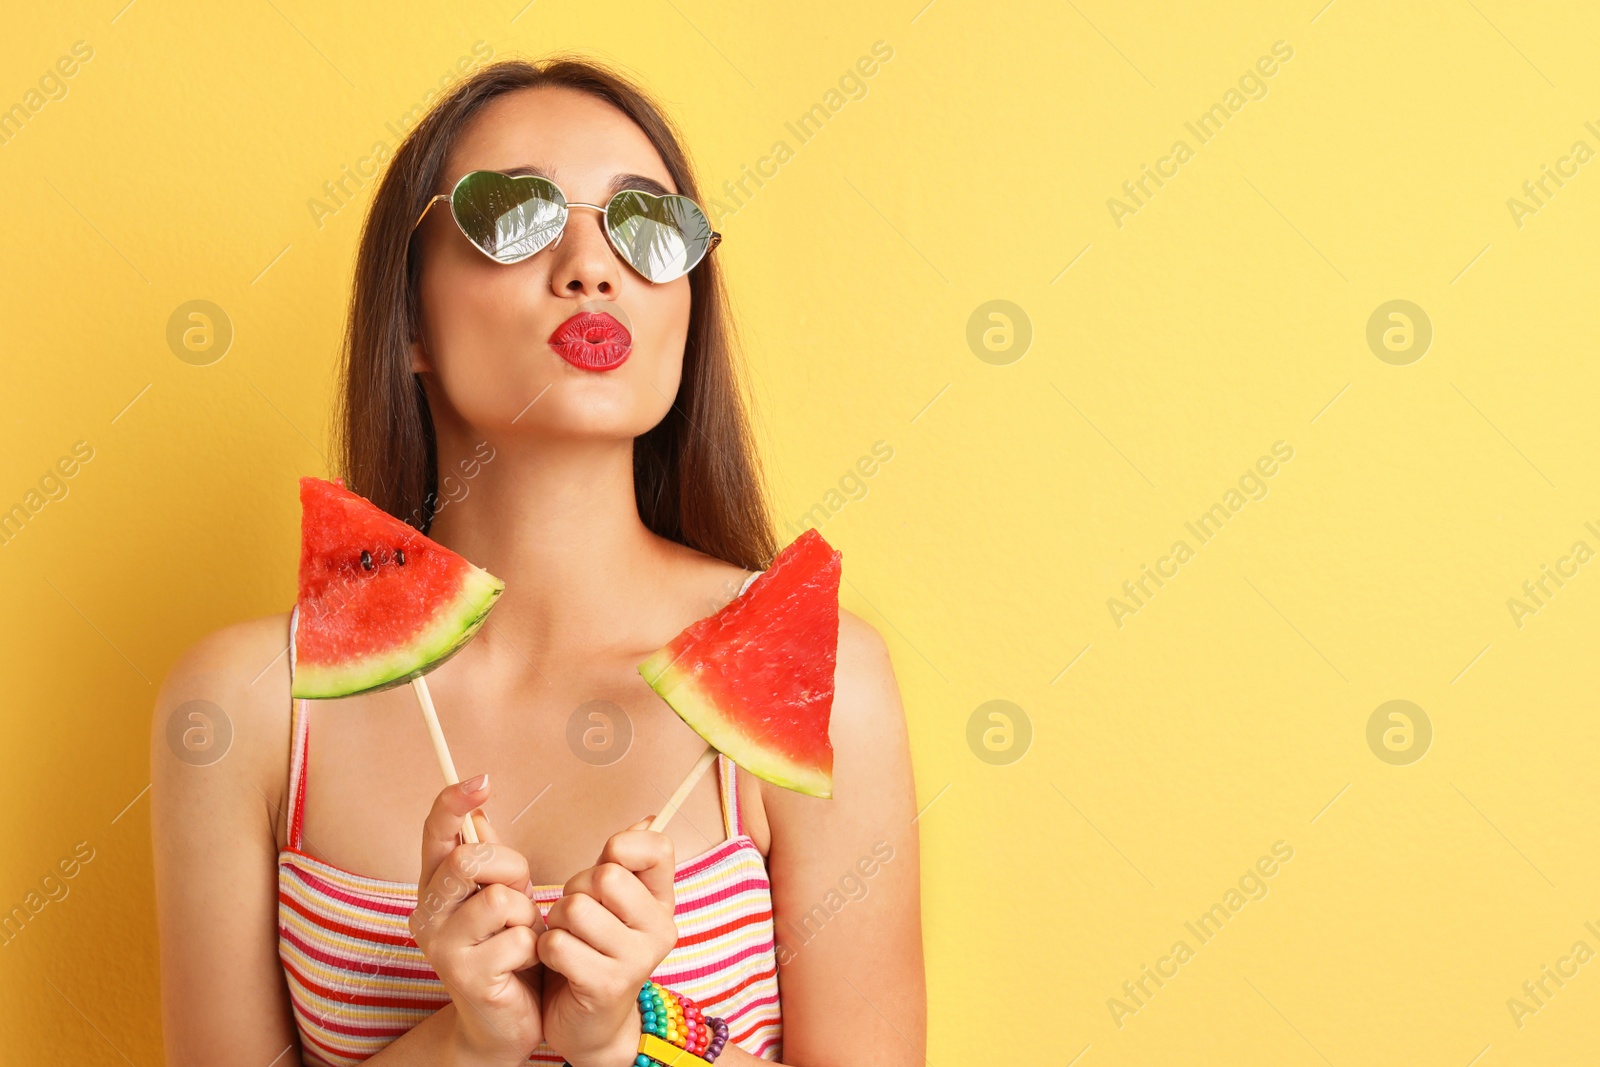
(585, 411)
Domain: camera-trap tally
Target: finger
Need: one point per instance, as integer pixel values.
(585, 917)
(568, 954)
(444, 820)
(482, 863)
(620, 891)
(460, 874)
(480, 821)
(513, 949)
(648, 854)
(490, 910)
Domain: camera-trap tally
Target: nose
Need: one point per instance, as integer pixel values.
(583, 262)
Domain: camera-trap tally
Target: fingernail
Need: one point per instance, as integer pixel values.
(475, 785)
(480, 813)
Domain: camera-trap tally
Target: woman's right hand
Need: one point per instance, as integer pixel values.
(479, 929)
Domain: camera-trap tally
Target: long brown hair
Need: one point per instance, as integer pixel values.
(697, 478)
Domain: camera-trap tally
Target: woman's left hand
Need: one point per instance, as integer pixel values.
(609, 931)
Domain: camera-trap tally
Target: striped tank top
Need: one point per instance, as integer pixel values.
(357, 980)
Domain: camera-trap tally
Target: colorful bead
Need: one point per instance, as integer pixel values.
(678, 1020)
(718, 1041)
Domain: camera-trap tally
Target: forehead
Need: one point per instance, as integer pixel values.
(579, 141)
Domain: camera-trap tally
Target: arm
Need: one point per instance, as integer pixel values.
(846, 883)
(214, 823)
(224, 1000)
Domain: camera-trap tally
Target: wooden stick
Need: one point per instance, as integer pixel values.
(419, 685)
(682, 791)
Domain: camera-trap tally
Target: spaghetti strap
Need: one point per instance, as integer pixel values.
(727, 770)
(299, 726)
(728, 780)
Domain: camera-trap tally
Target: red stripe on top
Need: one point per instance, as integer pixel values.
(324, 920)
(714, 932)
(414, 969)
(668, 977)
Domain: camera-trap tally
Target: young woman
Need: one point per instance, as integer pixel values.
(552, 396)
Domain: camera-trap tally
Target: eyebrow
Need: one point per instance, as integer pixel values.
(619, 183)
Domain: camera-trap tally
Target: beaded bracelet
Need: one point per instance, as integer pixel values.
(675, 1031)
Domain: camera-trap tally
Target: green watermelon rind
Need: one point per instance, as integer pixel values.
(448, 634)
(678, 688)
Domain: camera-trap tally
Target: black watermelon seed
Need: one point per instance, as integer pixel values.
(366, 560)
(400, 556)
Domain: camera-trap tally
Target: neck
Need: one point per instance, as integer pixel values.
(556, 520)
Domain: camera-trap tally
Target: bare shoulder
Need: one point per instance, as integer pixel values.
(222, 649)
(867, 709)
(224, 706)
(871, 747)
(863, 653)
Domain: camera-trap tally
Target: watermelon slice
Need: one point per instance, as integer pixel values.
(756, 678)
(380, 603)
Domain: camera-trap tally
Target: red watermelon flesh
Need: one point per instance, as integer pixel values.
(359, 625)
(756, 678)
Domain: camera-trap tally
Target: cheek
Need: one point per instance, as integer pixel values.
(479, 332)
(660, 316)
(662, 337)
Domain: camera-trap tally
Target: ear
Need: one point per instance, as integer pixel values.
(419, 358)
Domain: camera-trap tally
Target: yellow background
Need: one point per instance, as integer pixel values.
(1230, 312)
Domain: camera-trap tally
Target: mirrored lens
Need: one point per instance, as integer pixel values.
(508, 218)
(662, 237)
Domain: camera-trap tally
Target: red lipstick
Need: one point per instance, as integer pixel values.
(592, 340)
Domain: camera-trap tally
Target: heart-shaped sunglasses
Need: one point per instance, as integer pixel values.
(509, 218)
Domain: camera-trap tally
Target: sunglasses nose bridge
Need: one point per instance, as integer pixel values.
(569, 205)
(605, 230)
